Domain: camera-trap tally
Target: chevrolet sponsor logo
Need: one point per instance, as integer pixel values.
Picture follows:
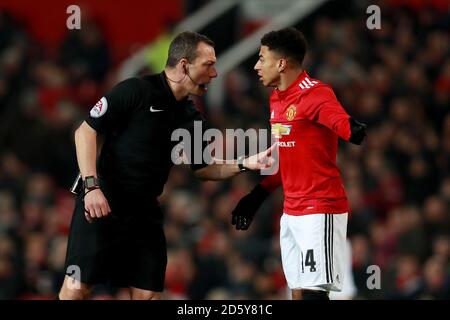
(279, 129)
(286, 144)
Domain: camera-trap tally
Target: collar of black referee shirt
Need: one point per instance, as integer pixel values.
(169, 93)
(163, 93)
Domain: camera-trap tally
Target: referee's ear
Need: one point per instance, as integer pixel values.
(183, 63)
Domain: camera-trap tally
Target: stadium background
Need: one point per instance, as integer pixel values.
(396, 79)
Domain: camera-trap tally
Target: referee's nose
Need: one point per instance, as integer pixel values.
(213, 73)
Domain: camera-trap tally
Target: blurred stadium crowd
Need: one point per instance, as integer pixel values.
(396, 79)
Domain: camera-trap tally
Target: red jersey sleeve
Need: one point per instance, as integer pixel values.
(272, 182)
(321, 105)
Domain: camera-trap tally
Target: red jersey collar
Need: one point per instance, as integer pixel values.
(300, 78)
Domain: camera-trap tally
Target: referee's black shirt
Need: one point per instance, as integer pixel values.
(137, 118)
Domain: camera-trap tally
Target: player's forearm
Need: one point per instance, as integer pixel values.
(217, 172)
(272, 182)
(86, 147)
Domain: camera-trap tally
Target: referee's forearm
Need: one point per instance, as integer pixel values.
(217, 172)
(86, 147)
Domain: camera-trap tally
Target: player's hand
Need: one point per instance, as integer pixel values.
(243, 214)
(358, 131)
(95, 205)
(262, 160)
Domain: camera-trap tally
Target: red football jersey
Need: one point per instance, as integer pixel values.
(306, 121)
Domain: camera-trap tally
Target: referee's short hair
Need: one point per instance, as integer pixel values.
(185, 45)
(288, 42)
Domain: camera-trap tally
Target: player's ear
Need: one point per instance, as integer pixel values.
(281, 65)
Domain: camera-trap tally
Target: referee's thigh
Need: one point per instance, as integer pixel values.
(73, 289)
(141, 294)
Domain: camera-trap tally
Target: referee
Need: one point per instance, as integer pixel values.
(116, 235)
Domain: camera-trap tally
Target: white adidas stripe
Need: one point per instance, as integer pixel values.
(307, 83)
(310, 83)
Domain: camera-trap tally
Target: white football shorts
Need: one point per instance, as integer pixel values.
(313, 250)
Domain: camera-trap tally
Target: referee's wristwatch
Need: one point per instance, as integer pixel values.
(90, 183)
(240, 162)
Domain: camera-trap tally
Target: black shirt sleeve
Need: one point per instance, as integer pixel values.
(115, 107)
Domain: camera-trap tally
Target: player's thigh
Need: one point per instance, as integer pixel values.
(321, 238)
(308, 232)
(290, 253)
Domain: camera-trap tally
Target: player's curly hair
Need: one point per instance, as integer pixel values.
(288, 42)
(185, 45)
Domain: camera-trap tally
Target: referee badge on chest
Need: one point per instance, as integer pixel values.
(291, 112)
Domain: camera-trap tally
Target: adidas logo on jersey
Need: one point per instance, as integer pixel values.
(307, 83)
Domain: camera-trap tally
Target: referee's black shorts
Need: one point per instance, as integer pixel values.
(125, 249)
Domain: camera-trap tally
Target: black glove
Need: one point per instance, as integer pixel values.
(358, 130)
(245, 210)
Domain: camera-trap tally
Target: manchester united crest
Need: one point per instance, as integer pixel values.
(291, 112)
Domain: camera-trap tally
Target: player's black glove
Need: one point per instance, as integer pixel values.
(245, 210)
(358, 130)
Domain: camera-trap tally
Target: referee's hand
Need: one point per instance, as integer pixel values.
(95, 205)
(263, 160)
